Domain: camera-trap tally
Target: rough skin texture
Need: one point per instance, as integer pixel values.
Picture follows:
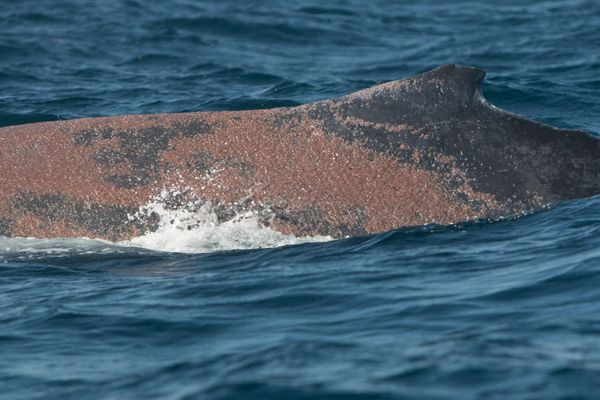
(427, 149)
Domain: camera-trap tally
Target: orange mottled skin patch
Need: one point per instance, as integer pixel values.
(427, 149)
(378, 159)
(293, 165)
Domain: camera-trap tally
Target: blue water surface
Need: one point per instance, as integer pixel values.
(489, 310)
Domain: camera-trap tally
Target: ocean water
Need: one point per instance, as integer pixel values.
(489, 310)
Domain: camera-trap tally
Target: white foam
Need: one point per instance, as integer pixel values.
(191, 228)
(198, 231)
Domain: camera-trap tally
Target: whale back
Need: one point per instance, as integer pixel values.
(427, 149)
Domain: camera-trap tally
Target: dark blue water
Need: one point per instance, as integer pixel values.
(490, 310)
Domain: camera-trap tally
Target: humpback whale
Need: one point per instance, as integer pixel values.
(426, 149)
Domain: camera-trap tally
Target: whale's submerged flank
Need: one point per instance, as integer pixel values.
(427, 149)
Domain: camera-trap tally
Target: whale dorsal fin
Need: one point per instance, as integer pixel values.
(446, 90)
(459, 79)
(463, 81)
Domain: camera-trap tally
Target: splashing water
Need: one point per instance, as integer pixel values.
(196, 229)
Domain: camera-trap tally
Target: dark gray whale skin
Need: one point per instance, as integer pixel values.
(426, 149)
(509, 156)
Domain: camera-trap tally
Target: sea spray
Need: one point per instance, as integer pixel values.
(194, 227)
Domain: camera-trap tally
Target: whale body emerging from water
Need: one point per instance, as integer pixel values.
(427, 149)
